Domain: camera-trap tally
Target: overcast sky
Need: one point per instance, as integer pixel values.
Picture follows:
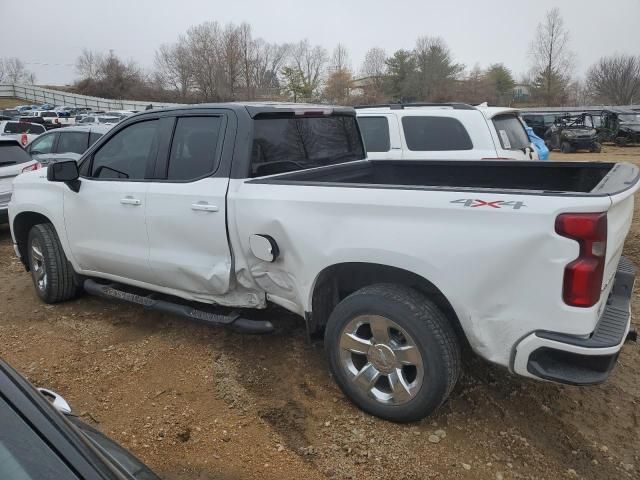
(49, 35)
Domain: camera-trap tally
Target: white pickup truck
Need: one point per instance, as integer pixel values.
(212, 211)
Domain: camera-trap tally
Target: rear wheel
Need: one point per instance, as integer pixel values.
(566, 147)
(52, 274)
(621, 141)
(596, 147)
(393, 352)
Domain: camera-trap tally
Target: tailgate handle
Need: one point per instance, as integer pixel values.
(130, 201)
(204, 207)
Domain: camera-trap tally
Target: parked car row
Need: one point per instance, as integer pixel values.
(568, 131)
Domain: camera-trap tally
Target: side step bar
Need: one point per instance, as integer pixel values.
(233, 320)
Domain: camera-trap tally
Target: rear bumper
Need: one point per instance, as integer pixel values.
(581, 360)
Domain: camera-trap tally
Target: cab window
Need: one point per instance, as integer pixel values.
(72, 142)
(43, 144)
(125, 156)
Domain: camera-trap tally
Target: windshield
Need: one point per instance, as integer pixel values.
(629, 118)
(288, 144)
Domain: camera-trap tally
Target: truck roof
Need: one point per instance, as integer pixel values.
(255, 109)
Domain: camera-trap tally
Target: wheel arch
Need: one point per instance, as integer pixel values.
(21, 225)
(337, 281)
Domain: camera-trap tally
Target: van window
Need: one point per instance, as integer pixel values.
(375, 133)
(427, 134)
(511, 132)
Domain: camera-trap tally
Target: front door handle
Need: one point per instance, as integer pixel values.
(203, 206)
(130, 201)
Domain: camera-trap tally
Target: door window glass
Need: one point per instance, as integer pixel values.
(127, 154)
(72, 142)
(43, 144)
(194, 148)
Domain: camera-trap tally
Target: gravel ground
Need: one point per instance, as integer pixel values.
(196, 402)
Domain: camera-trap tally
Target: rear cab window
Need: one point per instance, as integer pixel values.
(430, 133)
(288, 143)
(375, 133)
(195, 148)
(511, 132)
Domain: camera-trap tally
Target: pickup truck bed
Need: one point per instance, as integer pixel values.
(557, 178)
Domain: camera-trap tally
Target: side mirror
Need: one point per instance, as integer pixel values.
(56, 400)
(65, 171)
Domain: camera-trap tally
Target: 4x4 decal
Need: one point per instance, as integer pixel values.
(475, 202)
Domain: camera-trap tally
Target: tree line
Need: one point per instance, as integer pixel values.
(212, 62)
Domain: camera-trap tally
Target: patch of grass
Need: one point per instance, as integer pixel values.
(11, 102)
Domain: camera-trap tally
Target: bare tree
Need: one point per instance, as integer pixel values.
(615, 79)
(248, 53)
(552, 59)
(203, 42)
(268, 61)
(374, 71)
(13, 70)
(173, 68)
(340, 59)
(310, 62)
(231, 56)
(87, 64)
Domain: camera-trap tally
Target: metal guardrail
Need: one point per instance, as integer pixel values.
(38, 95)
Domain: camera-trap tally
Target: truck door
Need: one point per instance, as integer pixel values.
(105, 219)
(186, 207)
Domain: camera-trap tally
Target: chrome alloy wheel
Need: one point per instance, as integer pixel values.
(381, 359)
(38, 268)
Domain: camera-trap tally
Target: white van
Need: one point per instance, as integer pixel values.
(447, 131)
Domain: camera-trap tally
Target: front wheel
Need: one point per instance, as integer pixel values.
(566, 147)
(392, 352)
(596, 147)
(52, 274)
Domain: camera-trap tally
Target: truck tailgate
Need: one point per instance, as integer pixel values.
(619, 217)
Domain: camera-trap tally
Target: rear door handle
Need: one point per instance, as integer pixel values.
(203, 206)
(130, 201)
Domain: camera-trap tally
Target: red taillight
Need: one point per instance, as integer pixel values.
(24, 139)
(583, 276)
(32, 167)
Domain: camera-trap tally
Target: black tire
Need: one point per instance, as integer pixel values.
(621, 141)
(565, 147)
(52, 274)
(596, 147)
(429, 331)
